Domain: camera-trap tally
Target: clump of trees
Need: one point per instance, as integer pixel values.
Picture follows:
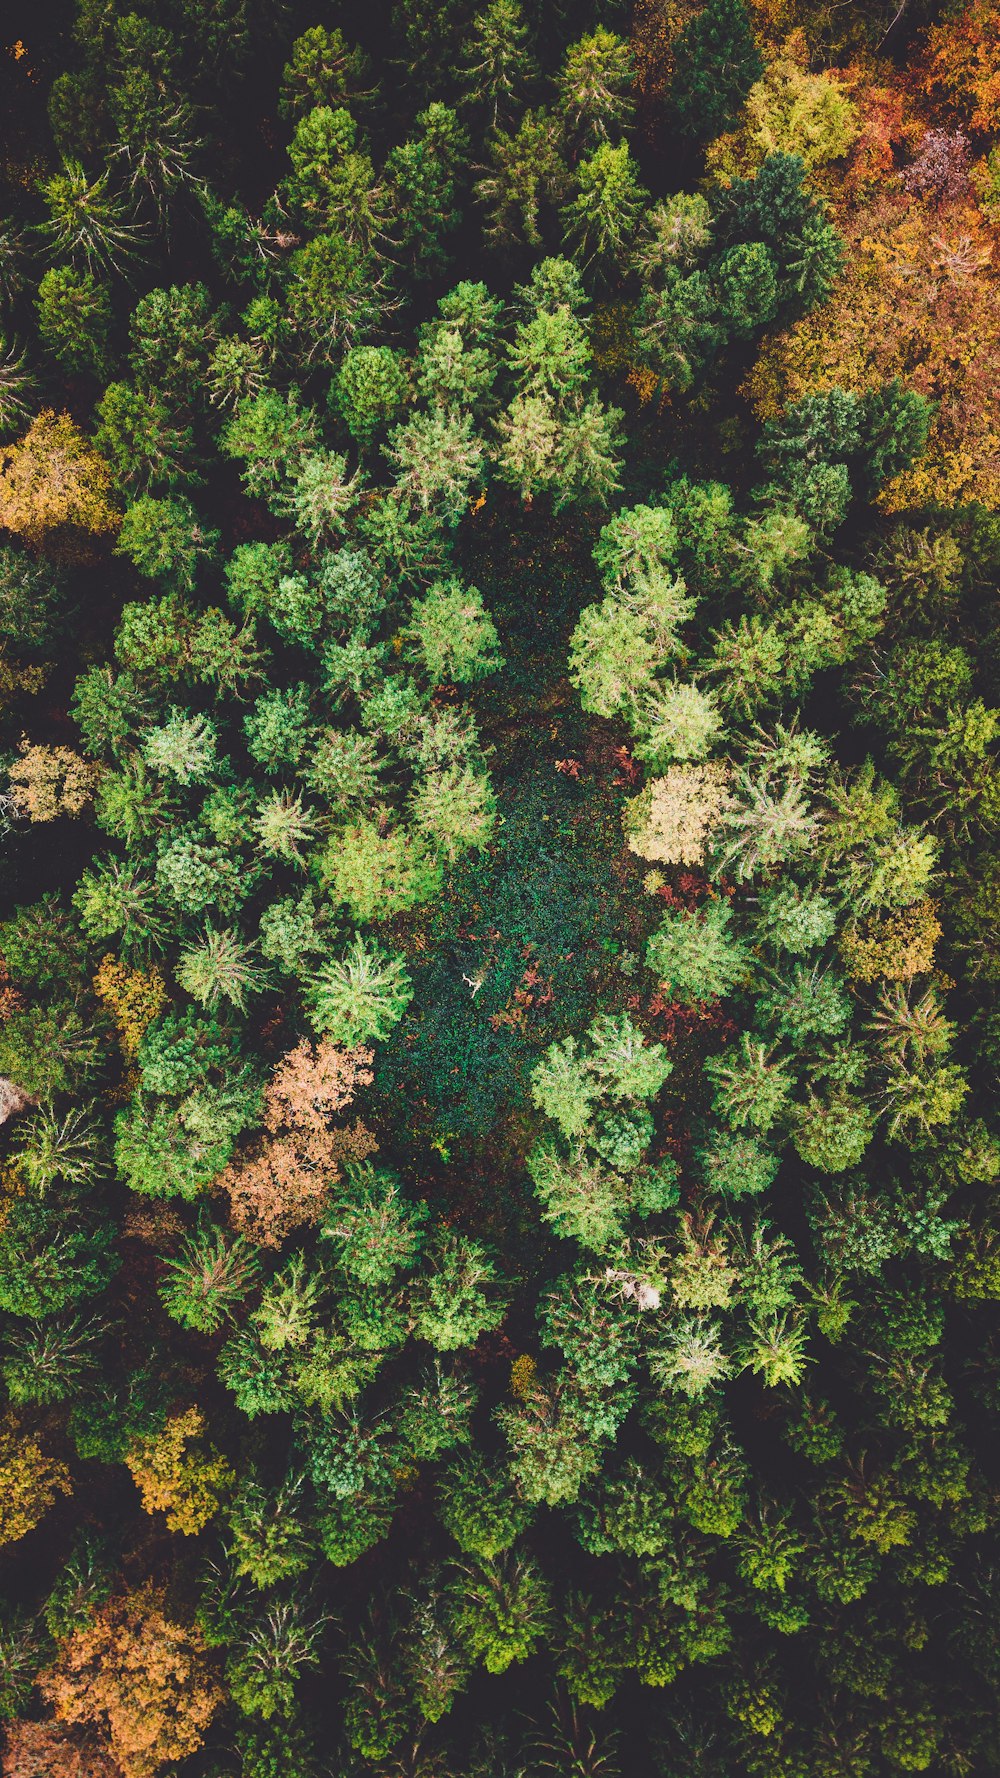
(499, 706)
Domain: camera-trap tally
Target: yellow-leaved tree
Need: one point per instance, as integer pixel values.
(54, 479)
(178, 1475)
(29, 1482)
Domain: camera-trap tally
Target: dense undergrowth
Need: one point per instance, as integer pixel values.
(501, 901)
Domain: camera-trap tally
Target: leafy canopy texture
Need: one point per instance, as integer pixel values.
(499, 889)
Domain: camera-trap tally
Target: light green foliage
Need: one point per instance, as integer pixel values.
(617, 1063)
(322, 69)
(176, 1150)
(554, 436)
(737, 1164)
(452, 636)
(331, 184)
(454, 810)
(183, 748)
(752, 1085)
(457, 360)
(618, 645)
(676, 721)
(114, 899)
(271, 433)
(343, 769)
(166, 540)
(435, 1412)
(376, 870)
(638, 546)
(796, 920)
(596, 1092)
(253, 574)
(580, 1195)
(323, 496)
(439, 460)
(74, 318)
(269, 1539)
(208, 1278)
(501, 1610)
(219, 966)
(832, 1134)
(456, 1300)
(527, 174)
(553, 1451)
(280, 728)
(520, 1087)
(359, 996)
(805, 1003)
(477, 1507)
(696, 956)
(195, 873)
(613, 658)
(373, 1229)
(285, 826)
(594, 84)
(601, 219)
(692, 1360)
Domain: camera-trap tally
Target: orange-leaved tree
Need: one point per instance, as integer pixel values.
(963, 63)
(138, 1676)
(284, 1180)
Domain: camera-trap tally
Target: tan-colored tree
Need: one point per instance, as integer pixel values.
(671, 821)
(53, 478)
(29, 1482)
(284, 1180)
(50, 781)
(139, 1677)
(176, 1473)
(896, 944)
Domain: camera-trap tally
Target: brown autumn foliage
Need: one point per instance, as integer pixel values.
(49, 1750)
(888, 130)
(140, 1678)
(284, 1181)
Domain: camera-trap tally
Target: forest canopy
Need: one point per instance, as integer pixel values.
(500, 900)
